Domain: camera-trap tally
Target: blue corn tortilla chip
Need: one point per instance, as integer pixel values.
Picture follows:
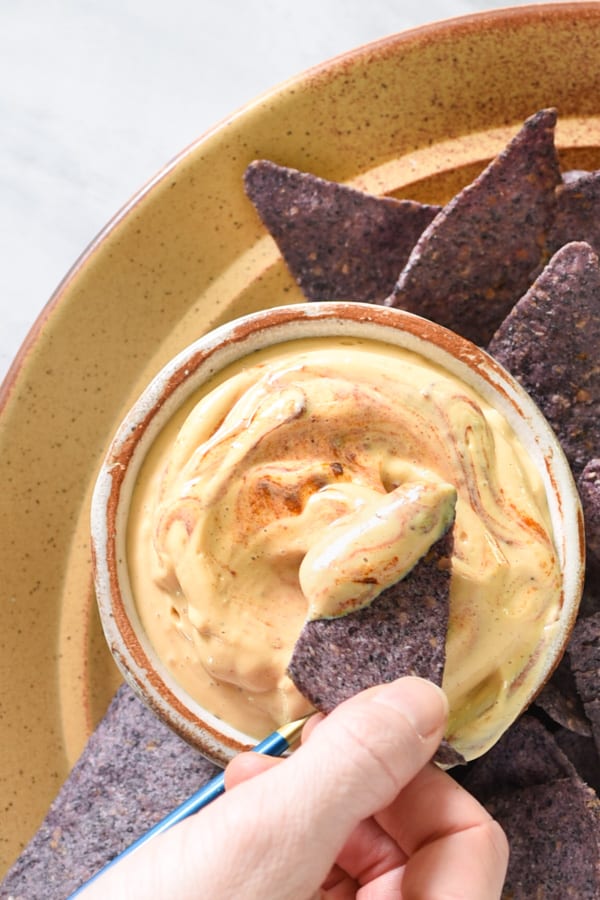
(402, 632)
(550, 816)
(550, 342)
(483, 250)
(553, 832)
(525, 755)
(584, 653)
(560, 700)
(132, 773)
(577, 214)
(588, 485)
(590, 601)
(582, 752)
(339, 243)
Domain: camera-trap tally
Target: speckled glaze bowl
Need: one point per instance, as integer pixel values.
(208, 356)
(416, 115)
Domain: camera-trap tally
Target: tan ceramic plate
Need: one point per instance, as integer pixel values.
(417, 115)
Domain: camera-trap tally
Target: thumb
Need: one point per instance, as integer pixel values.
(353, 765)
(359, 758)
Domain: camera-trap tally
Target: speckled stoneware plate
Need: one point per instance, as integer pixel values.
(416, 115)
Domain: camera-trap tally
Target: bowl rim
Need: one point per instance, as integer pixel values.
(211, 353)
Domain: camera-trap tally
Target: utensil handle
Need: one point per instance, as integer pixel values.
(273, 745)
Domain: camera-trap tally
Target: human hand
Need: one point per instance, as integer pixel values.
(357, 811)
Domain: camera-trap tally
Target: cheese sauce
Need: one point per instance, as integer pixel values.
(303, 480)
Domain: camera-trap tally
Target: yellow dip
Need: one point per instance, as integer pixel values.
(298, 484)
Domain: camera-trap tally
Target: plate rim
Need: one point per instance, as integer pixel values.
(490, 19)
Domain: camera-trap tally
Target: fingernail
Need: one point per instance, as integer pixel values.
(423, 703)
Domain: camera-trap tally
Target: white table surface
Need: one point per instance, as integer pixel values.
(95, 97)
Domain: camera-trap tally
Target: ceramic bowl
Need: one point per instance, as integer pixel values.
(188, 371)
